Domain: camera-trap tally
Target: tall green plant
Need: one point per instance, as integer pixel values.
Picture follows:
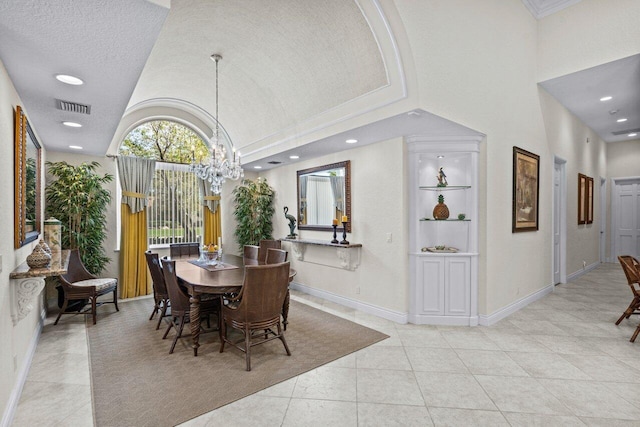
(77, 198)
(253, 211)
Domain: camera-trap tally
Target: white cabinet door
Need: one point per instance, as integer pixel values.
(457, 286)
(430, 283)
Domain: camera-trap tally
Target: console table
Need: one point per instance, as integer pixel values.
(28, 282)
(348, 256)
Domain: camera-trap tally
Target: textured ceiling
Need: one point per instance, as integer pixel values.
(104, 42)
(284, 61)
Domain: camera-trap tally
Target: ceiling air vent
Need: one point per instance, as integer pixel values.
(73, 107)
(624, 132)
(274, 162)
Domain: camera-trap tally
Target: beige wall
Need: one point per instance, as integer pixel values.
(567, 137)
(16, 339)
(623, 159)
(378, 206)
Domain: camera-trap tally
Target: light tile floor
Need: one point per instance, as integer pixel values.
(560, 361)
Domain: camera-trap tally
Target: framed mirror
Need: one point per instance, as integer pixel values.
(324, 194)
(27, 215)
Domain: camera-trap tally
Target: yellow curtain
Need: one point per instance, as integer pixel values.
(212, 224)
(134, 279)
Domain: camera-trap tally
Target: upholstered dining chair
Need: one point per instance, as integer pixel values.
(631, 268)
(180, 305)
(275, 256)
(265, 245)
(257, 308)
(80, 285)
(160, 293)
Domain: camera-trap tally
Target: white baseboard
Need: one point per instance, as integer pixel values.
(488, 320)
(423, 319)
(394, 316)
(585, 270)
(14, 398)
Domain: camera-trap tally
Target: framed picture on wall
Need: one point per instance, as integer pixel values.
(582, 199)
(526, 183)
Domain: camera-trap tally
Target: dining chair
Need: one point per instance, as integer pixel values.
(80, 287)
(631, 268)
(160, 293)
(275, 256)
(250, 253)
(257, 308)
(265, 244)
(180, 305)
(189, 250)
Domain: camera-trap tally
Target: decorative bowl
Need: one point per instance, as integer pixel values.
(209, 257)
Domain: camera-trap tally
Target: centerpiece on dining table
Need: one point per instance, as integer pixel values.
(209, 254)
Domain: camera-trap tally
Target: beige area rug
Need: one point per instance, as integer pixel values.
(136, 382)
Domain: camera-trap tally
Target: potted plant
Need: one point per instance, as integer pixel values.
(253, 211)
(78, 199)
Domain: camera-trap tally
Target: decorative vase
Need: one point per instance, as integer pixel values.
(52, 234)
(440, 211)
(45, 247)
(38, 258)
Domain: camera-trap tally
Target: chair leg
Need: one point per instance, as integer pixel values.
(178, 335)
(247, 347)
(115, 298)
(62, 310)
(629, 311)
(169, 327)
(223, 333)
(93, 308)
(635, 334)
(286, 347)
(163, 313)
(156, 308)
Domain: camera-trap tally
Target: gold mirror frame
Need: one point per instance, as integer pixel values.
(347, 196)
(23, 136)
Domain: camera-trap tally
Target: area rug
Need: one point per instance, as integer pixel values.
(136, 382)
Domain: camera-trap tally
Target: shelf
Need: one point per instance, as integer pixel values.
(447, 188)
(347, 256)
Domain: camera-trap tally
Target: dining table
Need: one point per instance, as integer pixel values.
(225, 277)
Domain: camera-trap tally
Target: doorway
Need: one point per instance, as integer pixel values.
(625, 217)
(559, 238)
(603, 219)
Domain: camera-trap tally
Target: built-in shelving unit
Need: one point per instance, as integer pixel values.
(444, 286)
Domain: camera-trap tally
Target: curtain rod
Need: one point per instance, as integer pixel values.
(115, 156)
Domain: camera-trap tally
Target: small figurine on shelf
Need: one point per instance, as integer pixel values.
(292, 223)
(442, 178)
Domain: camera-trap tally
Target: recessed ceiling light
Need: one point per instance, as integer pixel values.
(72, 124)
(613, 111)
(606, 98)
(621, 120)
(351, 141)
(75, 147)
(441, 156)
(294, 157)
(257, 167)
(70, 80)
(633, 134)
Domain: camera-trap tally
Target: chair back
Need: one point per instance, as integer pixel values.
(276, 256)
(153, 262)
(179, 250)
(250, 252)
(264, 246)
(631, 268)
(76, 271)
(178, 297)
(263, 291)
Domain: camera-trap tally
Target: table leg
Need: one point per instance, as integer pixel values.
(194, 317)
(285, 310)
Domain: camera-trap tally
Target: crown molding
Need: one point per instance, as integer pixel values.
(541, 8)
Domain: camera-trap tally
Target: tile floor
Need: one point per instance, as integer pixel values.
(560, 361)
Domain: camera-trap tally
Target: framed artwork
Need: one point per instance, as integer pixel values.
(582, 197)
(585, 199)
(526, 183)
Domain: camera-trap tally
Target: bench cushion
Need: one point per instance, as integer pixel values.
(100, 284)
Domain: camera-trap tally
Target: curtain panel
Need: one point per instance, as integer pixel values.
(211, 213)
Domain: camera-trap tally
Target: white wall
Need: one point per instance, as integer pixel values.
(16, 340)
(378, 206)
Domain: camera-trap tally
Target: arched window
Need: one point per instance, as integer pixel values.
(174, 210)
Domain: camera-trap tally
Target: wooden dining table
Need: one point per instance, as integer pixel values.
(199, 280)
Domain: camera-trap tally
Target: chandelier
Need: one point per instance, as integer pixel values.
(219, 168)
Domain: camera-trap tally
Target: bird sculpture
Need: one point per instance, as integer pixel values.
(442, 179)
(292, 223)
